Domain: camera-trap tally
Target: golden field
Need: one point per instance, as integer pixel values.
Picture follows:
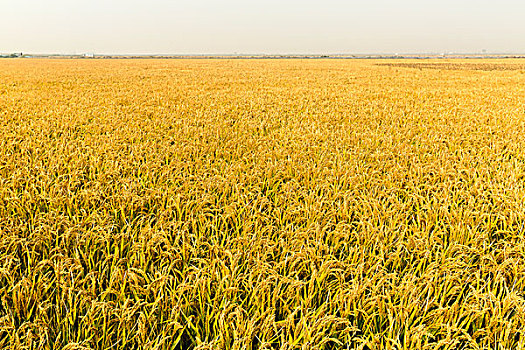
(262, 204)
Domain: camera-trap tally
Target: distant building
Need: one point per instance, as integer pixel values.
(89, 55)
(13, 55)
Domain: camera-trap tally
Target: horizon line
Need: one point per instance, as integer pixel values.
(240, 54)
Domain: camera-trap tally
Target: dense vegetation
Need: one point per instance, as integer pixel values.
(257, 204)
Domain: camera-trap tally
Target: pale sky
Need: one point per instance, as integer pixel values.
(258, 27)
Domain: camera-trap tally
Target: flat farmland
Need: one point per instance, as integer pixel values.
(262, 204)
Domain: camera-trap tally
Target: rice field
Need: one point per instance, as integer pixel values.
(262, 204)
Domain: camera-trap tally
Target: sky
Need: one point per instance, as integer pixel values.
(261, 27)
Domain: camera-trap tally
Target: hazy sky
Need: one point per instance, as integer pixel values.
(270, 26)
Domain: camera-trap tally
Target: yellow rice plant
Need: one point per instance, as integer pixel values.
(262, 204)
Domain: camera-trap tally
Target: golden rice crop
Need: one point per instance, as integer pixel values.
(262, 204)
